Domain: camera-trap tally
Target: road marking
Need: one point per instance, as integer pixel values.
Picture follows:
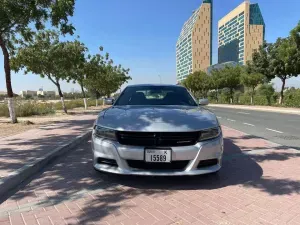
(231, 120)
(219, 117)
(277, 131)
(244, 113)
(249, 124)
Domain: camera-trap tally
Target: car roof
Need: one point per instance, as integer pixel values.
(154, 85)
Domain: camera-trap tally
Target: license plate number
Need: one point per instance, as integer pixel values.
(158, 156)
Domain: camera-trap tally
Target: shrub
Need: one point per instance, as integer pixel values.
(268, 91)
(236, 97)
(292, 98)
(260, 100)
(32, 108)
(28, 108)
(4, 110)
(245, 99)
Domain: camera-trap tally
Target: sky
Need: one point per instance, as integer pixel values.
(142, 34)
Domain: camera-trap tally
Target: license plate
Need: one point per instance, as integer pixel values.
(158, 155)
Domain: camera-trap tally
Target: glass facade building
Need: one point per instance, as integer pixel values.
(239, 33)
(194, 45)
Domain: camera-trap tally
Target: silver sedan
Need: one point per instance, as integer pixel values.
(157, 130)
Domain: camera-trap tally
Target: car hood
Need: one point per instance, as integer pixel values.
(157, 119)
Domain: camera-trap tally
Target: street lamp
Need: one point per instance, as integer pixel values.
(159, 78)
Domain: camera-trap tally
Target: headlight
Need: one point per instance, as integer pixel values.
(103, 132)
(210, 133)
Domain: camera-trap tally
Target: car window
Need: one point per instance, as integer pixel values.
(155, 95)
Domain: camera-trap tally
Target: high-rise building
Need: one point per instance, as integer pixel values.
(240, 32)
(194, 45)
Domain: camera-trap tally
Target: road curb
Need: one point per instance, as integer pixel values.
(15, 178)
(246, 107)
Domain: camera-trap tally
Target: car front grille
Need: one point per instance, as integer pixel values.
(158, 139)
(175, 165)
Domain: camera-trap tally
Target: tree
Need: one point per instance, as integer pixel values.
(251, 81)
(216, 82)
(77, 56)
(16, 20)
(268, 91)
(280, 59)
(284, 61)
(115, 77)
(102, 77)
(46, 56)
(295, 35)
(199, 83)
(94, 93)
(231, 78)
(260, 62)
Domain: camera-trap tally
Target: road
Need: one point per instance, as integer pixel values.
(280, 128)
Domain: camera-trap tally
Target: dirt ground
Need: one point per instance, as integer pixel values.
(26, 123)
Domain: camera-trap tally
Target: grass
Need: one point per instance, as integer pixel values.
(34, 108)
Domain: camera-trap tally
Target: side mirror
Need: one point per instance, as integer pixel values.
(203, 101)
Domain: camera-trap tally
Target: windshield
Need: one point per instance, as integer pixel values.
(156, 95)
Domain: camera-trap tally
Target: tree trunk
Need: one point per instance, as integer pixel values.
(97, 97)
(217, 96)
(10, 93)
(84, 96)
(231, 96)
(62, 98)
(281, 92)
(11, 108)
(252, 95)
(269, 100)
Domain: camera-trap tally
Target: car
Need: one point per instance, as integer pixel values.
(109, 101)
(157, 130)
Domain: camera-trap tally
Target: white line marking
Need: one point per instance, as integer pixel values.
(219, 117)
(277, 131)
(249, 124)
(231, 120)
(244, 113)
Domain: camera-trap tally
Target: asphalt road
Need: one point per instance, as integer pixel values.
(280, 128)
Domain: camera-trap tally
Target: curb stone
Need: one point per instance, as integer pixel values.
(295, 111)
(15, 178)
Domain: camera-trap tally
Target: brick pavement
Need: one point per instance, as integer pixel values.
(19, 149)
(258, 184)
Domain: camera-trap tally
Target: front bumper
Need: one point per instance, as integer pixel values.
(121, 154)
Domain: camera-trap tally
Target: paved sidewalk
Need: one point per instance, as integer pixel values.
(258, 184)
(19, 149)
(260, 108)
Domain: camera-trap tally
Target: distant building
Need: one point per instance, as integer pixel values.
(3, 93)
(240, 32)
(23, 94)
(194, 45)
(40, 92)
(221, 66)
(46, 93)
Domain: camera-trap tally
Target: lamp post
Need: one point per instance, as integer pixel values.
(159, 78)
